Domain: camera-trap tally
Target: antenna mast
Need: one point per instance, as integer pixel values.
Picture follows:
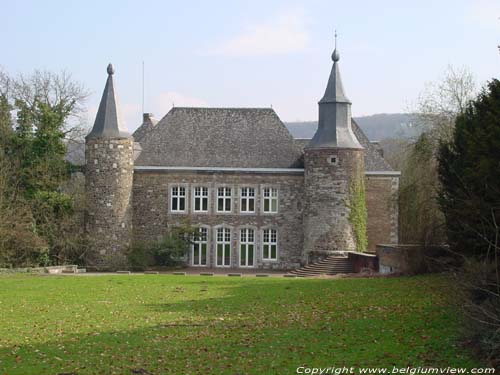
(142, 86)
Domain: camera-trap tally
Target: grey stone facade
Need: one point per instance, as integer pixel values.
(383, 211)
(108, 190)
(136, 191)
(329, 175)
(153, 214)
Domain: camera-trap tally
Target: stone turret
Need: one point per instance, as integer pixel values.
(334, 163)
(108, 182)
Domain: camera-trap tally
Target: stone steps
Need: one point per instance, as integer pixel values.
(331, 265)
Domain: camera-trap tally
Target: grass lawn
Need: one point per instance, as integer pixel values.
(219, 325)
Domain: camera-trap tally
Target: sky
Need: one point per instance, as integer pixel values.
(257, 53)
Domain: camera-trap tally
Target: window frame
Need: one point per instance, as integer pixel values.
(270, 243)
(270, 199)
(178, 197)
(225, 197)
(247, 198)
(201, 197)
(227, 241)
(201, 242)
(246, 243)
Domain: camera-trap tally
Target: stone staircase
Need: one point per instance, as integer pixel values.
(331, 265)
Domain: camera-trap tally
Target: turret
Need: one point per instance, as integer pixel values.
(108, 182)
(334, 169)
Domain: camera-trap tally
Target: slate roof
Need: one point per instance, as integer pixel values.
(108, 122)
(219, 137)
(373, 160)
(148, 122)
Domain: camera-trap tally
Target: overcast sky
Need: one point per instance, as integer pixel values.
(254, 53)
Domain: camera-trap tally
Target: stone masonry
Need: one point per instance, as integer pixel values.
(108, 188)
(153, 216)
(382, 207)
(137, 190)
(329, 174)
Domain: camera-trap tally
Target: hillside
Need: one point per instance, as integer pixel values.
(376, 127)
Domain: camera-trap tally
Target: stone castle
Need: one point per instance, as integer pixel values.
(259, 197)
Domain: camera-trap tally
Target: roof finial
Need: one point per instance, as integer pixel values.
(335, 54)
(110, 69)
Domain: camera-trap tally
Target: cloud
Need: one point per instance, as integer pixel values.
(131, 115)
(285, 33)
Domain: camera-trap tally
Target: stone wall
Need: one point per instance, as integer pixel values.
(362, 261)
(151, 192)
(382, 206)
(329, 174)
(405, 259)
(411, 259)
(108, 189)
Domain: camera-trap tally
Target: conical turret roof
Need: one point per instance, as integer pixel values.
(108, 123)
(334, 123)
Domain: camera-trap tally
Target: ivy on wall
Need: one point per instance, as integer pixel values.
(359, 215)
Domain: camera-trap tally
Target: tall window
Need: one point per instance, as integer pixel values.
(247, 199)
(178, 199)
(224, 199)
(199, 248)
(270, 245)
(270, 200)
(247, 247)
(223, 247)
(200, 199)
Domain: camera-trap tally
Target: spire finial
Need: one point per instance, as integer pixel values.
(335, 54)
(110, 69)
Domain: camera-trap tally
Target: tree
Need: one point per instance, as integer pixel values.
(34, 146)
(469, 196)
(469, 172)
(421, 219)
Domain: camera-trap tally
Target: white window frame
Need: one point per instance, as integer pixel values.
(200, 241)
(225, 241)
(201, 196)
(268, 240)
(245, 242)
(175, 194)
(227, 199)
(267, 195)
(247, 194)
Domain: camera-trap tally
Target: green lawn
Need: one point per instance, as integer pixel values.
(219, 325)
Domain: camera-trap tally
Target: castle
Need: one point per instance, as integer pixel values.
(259, 197)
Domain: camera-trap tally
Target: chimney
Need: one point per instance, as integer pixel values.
(379, 148)
(147, 117)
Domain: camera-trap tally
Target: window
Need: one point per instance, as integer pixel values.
(270, 245)
(178, 199)
(224, 199)
(223, 247)
(199, 248)
(270, 200)
(247, 247)
(200, 199)
(247, 200)
(332, 160)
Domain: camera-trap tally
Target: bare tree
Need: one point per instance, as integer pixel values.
(441, 102)
(421, 220)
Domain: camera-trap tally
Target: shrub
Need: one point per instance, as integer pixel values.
(170, 250)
